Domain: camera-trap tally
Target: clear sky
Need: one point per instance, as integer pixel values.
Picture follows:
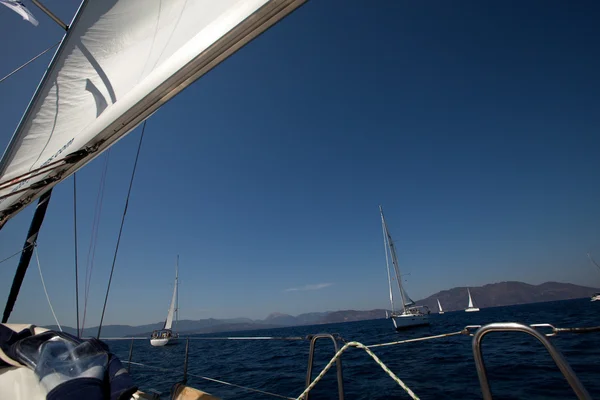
(475, 125)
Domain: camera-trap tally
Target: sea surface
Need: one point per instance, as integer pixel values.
(518, 366)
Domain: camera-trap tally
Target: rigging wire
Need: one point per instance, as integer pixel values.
(112, 269)
(94, 237)
(593, 261)
(17, 253)
(213, 380)
(29, 62)
(44, 285)
(75, 236)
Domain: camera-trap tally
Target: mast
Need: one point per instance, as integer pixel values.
(177, 291)
(28, 247)
(390, 244)
(387, 263)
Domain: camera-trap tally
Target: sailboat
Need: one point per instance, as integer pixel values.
(119, 61)
(410, 315)
(440, 307)
(471, 308)
(595, 296)
(165, 336)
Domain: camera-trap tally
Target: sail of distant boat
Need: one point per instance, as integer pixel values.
(440, 306)
(173, 308)
(471, 307)
(119, 61)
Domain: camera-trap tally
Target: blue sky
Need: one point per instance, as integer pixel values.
(475, 126)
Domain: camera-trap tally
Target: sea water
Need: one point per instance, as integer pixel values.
(518, 366)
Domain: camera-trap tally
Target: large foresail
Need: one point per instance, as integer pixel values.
(118, 63)
(470, 299)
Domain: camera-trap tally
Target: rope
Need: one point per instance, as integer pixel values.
(44, 285)
(75, 237)
(29, 62)
(463, 332)
(17, 253)
(112, 269)
(214, 380)
(373, 356)
(588, 329)
(249, 338)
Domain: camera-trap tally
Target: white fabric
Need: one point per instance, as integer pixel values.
(19, 383)
(169, 321)
(18, 7)
(119, 62)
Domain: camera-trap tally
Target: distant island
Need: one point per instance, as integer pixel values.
(492, 295)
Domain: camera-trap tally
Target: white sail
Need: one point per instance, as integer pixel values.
(173, 309)
(119, 62)
(439, 305)
(470, 299)
(407, 300)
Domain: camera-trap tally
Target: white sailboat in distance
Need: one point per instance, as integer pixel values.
(165, 336)
(410, 315)
(440, 307)
(471, 308)
(595, 296)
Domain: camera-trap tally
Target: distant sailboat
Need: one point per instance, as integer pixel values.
(410, 315)
(471, 308)
(595, 296)
(440, 307)
(165, 336)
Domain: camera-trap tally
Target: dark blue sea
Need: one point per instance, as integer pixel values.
(518, 365)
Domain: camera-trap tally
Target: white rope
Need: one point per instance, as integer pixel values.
(373, 356)
(463, 332)
(45, 291)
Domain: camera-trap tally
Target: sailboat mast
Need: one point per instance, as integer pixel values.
(390, 244)
(27, 252)
(177, 299)
(387, 262)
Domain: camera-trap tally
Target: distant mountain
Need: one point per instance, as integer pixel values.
(506, 294)
(351, 315)
(492, 295)
(290, 320)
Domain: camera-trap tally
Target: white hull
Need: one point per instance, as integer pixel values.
(471, 309)
(163, 341)
(403, 321)
(441, 312)
(595, 297)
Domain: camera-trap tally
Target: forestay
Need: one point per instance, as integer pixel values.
(118, 63)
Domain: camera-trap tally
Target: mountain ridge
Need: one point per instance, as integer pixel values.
(491, 295)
